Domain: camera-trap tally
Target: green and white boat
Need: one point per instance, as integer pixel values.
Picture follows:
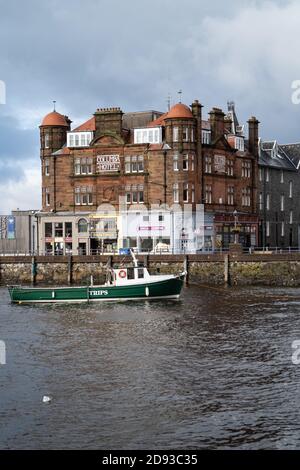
(122, 283)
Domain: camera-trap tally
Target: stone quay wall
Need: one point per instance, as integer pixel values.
(203, 269)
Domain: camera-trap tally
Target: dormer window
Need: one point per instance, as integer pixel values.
(79, 139)
(206, 137)
(239, 144)
(151, 135)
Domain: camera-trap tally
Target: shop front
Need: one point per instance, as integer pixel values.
(236, 227)
(103, 234)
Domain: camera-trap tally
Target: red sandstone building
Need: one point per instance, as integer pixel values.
(145, 159)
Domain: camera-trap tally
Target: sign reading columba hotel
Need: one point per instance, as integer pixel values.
(108, 163)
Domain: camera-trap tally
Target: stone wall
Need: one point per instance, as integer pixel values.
(238, 269)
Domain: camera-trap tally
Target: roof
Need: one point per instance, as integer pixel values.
(206, 125)
(179, 111)
(89, 125)
(63, 151)
(268, 145)
(277, 160)
(140, 118)
(292, 152)
(55, 119)
(159, 121)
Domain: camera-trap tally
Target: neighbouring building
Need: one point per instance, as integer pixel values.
(18, 233)
(279, 195)
(98, 178)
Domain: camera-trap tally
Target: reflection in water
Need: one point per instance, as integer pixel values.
(212, 370)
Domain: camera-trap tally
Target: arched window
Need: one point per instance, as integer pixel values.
(82, 226)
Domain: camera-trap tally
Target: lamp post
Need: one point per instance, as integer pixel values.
(182, 240)
(117, 233)
(235, 227)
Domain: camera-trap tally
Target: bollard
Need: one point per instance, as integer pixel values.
(33, 270)
(226, 270)
(186, 269)
(70, 270)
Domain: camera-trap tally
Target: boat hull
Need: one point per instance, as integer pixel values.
(169, 288)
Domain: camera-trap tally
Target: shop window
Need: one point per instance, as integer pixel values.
(48, 230)
(58, 229)
(68, 229)
(82, 226)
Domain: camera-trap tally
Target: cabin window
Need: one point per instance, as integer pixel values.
(130, 273)
(141, 273)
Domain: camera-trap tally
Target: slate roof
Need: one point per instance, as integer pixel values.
(280, 161)
(292, 152)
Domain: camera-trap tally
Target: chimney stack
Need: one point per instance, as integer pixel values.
(216, 118)
(108, 120)
(253, 135)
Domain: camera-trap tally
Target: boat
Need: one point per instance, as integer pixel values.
(122, 283)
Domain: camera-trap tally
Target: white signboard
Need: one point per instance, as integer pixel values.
(108, 163)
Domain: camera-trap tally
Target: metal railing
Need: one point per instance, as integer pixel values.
(207, 251)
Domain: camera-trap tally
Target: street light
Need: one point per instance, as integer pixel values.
(235, 227)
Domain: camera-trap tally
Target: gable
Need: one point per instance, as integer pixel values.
(222, 144)
(108, 139)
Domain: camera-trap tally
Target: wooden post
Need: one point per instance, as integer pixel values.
(33, 270)
(226, 270)
(70, 270)
(186, 269)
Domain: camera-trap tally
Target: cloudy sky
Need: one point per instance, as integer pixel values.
(132, 54)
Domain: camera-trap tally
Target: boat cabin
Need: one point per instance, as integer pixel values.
(128, 275)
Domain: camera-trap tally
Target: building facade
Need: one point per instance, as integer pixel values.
(279, 195)
(19, 233)
(117, 164)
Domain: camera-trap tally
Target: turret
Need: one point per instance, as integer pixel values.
(53, 136)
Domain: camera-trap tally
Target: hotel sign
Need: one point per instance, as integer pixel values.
(108, 163)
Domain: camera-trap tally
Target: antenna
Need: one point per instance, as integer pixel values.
(179, 94)
(54, 103)
(169, 101)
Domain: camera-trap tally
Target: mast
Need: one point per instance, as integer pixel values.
(135, 262)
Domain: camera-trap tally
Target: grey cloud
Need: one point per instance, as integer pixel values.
(132, 54)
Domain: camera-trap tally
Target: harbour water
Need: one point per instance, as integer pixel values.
(210, 371)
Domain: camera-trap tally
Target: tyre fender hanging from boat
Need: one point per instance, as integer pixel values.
(122, 274)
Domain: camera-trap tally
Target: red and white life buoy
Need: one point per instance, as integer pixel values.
(122, 273)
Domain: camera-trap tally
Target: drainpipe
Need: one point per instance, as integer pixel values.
(165, 177)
